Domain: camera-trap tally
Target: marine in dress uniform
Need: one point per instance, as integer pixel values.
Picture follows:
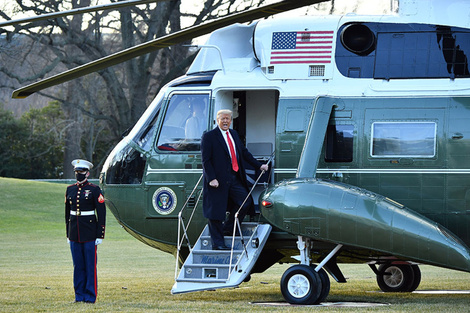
(85, 220)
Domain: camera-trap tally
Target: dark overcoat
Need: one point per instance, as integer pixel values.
(217, 164)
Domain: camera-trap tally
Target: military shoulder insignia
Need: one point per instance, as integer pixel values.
(101, 198)
(164, 200)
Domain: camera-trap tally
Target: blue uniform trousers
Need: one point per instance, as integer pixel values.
(85, 280)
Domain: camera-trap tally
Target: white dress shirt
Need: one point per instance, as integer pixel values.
(226, 141)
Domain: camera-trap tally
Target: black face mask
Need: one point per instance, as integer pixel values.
(80, 176)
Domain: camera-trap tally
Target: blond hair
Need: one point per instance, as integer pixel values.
(225, 111)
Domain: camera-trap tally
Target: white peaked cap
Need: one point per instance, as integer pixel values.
(82, 165)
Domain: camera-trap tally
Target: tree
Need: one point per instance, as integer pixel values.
(43, 149)
(112, 99)
(32, 147)
(12, 134)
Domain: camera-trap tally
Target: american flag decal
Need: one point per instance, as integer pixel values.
(312, 47)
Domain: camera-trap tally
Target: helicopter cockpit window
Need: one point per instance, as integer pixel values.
(144, 130)
(339, 143)
(403, 139)
(144, 139)
(127, 166)
(185, 121)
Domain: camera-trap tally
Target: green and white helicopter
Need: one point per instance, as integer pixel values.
(364, 120)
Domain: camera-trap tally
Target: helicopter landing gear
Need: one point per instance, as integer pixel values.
(398, 277)
(300, 284)
(325, 283)
(305, 283)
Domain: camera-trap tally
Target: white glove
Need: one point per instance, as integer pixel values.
(98, 241)
(68, 241)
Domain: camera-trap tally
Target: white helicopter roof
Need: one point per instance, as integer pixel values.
(241, 48)
(438, 12)
(254, 54)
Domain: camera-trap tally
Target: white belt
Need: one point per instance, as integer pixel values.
(82, 213)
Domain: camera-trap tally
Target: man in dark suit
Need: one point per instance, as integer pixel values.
(223, 155)
(85, 219)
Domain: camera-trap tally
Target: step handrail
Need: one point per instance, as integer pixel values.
(181, 223)
(237, 220)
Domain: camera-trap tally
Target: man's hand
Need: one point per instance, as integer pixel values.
(214, 183)
(98, 241)
(264, 167)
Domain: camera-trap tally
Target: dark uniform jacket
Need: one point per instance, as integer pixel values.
(81, 198)
(217, 164)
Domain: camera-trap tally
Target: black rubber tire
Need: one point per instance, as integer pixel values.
(300, 284)
(417, 277)
(325, 283)
(396, 277)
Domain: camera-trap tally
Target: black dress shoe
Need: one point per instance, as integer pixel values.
(220, 248)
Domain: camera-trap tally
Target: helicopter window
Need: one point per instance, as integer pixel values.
(403, 139)
(339, 143)
(403, 51)
(185, 121)
(127, 166)
(144, 130)
(426, 55)
(145, 138)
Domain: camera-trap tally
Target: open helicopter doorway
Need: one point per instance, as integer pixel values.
(254, 118)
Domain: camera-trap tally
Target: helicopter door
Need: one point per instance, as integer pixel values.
(254, 113)
(176, 165)
(260, 116)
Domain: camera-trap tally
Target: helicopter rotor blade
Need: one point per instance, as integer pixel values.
(162, 42)
(101, 7)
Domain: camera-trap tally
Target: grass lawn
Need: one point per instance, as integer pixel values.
(36, 270)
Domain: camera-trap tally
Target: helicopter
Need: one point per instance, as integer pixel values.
(363, 120)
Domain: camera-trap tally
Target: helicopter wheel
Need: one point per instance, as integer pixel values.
(300, 284)
(416, 276)
(398, 277)
(325, 284)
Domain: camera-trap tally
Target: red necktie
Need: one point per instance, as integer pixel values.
(232, 154)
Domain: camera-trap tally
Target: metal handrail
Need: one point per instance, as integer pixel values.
(237, 220)
(181, 224)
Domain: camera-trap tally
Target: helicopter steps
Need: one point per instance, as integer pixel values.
(207, 269)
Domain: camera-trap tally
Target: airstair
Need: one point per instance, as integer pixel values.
(207, 269)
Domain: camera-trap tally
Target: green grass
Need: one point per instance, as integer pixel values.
(36, 270)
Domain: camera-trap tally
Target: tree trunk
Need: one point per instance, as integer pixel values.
(73, 136)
